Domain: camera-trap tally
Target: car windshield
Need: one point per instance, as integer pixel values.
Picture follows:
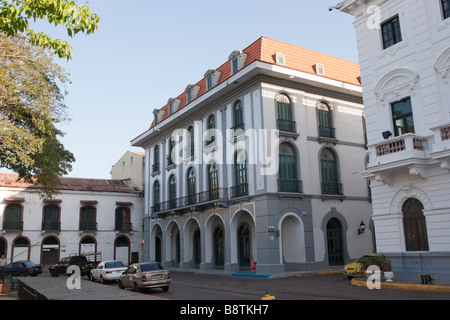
(28, 263)
(151, 267)
(114, 264)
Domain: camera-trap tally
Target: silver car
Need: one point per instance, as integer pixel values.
(144, 275)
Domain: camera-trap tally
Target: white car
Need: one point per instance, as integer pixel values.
(107, 271)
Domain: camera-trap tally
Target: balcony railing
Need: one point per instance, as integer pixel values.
(219, 194)
(332, 188)
(287, 125)
(290, 185)
(88, 226)
(240, 190)
(327, 132)
(12, 225)
(51, 225)
(124, 226)
(404, 147)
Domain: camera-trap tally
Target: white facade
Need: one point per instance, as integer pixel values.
(282, 223)
(401, 75)
(46, 230)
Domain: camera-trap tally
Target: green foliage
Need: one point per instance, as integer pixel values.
(378, 260)
(31, 105)
(16, 14)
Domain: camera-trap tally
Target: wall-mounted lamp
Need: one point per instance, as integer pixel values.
(387, 134)
(361, 228)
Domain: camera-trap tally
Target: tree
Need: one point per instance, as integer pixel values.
(31, 105)
(15, 16)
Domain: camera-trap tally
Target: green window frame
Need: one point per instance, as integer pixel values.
(284, 114)
(288, 169)
(329, 171)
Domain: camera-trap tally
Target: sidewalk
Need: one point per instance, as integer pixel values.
(406, 284)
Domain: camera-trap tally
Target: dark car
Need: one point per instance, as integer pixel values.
(23, 268)
(60, 268)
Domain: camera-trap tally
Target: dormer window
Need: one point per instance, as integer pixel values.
(320, 69)
(191, 92)
(237, 60)
(280, 59)
(212, 78)
(173, 104)
(159, 115)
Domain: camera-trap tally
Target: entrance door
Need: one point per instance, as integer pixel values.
(244, 246)
(50, 252)
(219, 247)
(197, 248)
(334, 242)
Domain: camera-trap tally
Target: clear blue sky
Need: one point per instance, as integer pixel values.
(146, 52)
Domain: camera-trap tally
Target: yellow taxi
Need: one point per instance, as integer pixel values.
(353, 269)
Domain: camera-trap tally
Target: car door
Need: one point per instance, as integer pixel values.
(129, 276)
(97, 271)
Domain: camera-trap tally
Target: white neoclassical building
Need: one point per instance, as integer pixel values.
(87, 216)
(256, 165)
(404, 53)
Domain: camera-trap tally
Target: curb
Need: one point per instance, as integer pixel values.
(405, 286)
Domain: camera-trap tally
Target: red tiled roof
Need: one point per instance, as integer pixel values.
(296, 58)
(75, 184)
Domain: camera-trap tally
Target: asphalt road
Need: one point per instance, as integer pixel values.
(192, 286)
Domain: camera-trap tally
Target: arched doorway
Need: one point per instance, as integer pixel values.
(3, 246)
(197, 248)
(122, 249)
(21, 249)
(415, 227)
(292, 241)
(88, 245)
(157, 243)
(335, 243)
(219, 247)
(50, 251)
(244, 254)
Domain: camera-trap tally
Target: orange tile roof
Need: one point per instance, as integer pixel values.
(296, 58)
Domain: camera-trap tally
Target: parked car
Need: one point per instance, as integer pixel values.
(23, 268)
(144, 275)
(107, 271)
(61, 266)
(353, 269)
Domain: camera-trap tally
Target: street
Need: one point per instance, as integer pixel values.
(192, 286)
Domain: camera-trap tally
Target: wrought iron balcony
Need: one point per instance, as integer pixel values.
(287, 125)
(240, 190)
(51, 225)
(327, 132)
(334, 188)
(197, 200)
(88, 226)
(290, 185)
(12, 225)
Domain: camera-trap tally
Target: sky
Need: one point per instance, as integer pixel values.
(147, 51)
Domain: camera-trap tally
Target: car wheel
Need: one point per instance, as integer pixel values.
(121, 285)
(136, 287)
(166, 288)
(102, 281)
(91, 277)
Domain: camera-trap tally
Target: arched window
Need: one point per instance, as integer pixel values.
(123, 219)
(88, 218)
(288, 173)
(213, 181)
(155, 167)
(50, 219)
(415, 227)
(12, 217)
(329, 170)
(191, 186)
(238, 116)
(326, 129)
(172, 191)
(211, 126)
(284, 112)
(240, 175)
(191, 142)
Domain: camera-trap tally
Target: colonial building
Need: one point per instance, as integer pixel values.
(88, 216)
(257, 165)
(404, 50)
